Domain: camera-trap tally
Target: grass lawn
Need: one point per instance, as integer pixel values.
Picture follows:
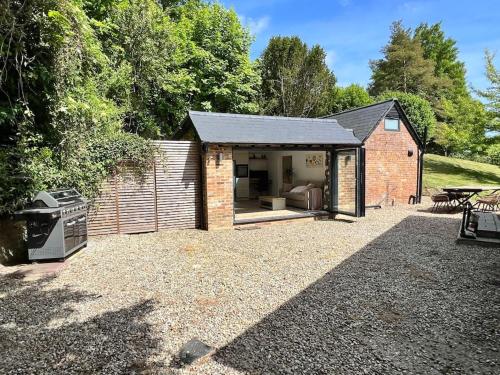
(440, 171)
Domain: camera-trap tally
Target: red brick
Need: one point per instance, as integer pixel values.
(391, 175)
(218, 195)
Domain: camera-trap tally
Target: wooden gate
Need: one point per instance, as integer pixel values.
(168, 196)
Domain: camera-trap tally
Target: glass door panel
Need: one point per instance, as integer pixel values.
(345, 181)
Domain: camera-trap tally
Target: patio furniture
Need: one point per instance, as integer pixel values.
(272, 203)
(440, 200)
(489, 203)
(479, 227)
(305, 195)
(457, 196)
(464, 194)
(488, 225)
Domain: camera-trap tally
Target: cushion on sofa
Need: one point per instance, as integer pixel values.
(299, 189)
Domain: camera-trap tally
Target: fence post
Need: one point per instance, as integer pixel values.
(117, 203)
(155, 195)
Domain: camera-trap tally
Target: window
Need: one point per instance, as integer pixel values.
(242, 170)
(391, 124)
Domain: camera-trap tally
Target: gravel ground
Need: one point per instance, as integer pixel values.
(389, 293)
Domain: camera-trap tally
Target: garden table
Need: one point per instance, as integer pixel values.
(466, 193)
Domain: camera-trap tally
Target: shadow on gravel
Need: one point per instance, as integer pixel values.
(441, 210)
(36, 337)
(410, 301)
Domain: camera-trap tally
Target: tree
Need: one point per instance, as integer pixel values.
(425, 63)
(464, 128)
(85, 83)
(404, 68)
(147, 80)
(295, 79)
(216, 54)
(418, 110)
(64, 130)
(349, 97)
(493, 152)
(444, 53)
(172, 56)
(492, 93)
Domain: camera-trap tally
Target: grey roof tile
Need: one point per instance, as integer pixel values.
(250, 129)
(362, 120)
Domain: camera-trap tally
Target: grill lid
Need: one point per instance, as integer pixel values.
(58, 198)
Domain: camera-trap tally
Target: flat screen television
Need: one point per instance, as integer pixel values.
(241, 170)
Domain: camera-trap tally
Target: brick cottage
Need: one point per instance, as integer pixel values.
(394, 152)
(265, 168)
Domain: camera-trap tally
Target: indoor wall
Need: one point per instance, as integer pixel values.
(271, 161)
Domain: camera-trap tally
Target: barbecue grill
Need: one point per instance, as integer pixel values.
(56, 224)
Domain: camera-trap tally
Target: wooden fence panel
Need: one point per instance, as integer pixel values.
(136, 202)
(103, 214)
(178, 185)
(168, 197)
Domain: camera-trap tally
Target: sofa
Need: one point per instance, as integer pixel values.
(307, 195)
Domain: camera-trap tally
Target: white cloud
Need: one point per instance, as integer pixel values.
(256, 26)
(411, 7)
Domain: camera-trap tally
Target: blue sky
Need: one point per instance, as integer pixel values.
(353, 31)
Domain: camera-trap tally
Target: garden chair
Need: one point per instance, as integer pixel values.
(440, 200)
(455, 196)
(489, 202)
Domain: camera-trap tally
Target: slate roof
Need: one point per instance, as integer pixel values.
(249, 129)
(364, 119)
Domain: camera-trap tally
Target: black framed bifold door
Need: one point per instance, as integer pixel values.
(348, 181)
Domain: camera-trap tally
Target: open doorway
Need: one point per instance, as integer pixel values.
(279, 184)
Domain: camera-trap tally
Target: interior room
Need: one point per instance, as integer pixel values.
(278, 184)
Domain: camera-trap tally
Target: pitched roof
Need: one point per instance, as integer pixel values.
(363, 120)
(249, 129)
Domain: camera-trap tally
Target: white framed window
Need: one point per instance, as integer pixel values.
(391, 124)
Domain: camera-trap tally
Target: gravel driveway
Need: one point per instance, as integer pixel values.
(388, 293)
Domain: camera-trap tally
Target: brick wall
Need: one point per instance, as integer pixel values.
(391, 175)
(218, 191)
(346, 164)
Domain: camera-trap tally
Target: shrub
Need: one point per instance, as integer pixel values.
(493, 154)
